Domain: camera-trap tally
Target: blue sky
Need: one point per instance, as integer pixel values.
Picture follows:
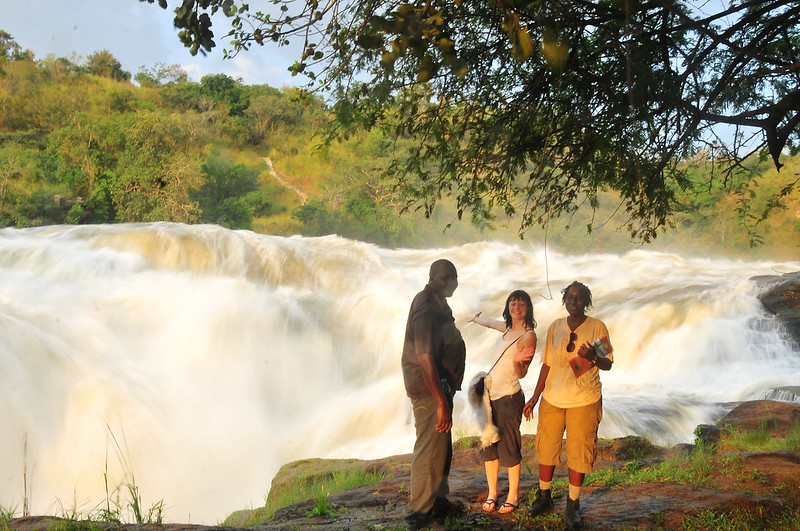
(137, 34)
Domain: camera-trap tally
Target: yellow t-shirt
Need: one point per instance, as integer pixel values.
(562, 389)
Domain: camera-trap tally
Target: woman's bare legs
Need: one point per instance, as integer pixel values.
(492, 471)
(513, 489)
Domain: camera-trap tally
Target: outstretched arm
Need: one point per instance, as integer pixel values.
(500, 326)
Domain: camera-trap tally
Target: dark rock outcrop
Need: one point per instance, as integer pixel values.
(768, 416)
(780, 295)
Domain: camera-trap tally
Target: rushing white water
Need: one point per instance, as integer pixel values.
(196, 360)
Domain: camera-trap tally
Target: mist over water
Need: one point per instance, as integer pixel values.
(196, 361)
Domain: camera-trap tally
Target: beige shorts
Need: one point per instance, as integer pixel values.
(580, 424)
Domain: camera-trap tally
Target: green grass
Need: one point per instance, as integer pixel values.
(122, 501)
(761, 441)
(544, 522)
(737, 520)
(76, 525)
(322, 506)
(700, 464)
(462, 437)
(694, 469)
(318, 489)
(703, 466)
(118, 506)
(71, 517)
(7, 513)
(122, 505)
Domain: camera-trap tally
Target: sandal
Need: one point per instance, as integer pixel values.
(490, 503)
(509, 508)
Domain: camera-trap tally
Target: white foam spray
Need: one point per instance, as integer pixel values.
(196, 360)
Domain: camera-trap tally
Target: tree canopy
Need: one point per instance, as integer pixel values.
(532, 108)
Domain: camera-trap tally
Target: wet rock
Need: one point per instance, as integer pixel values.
(664, 506)
(708, 433)
(771, 416)
(627, 449)
(780, 295)
(680, 450)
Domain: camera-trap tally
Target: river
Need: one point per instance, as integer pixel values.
(193, 361)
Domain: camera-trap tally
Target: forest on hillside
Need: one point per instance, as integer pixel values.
(82, 141)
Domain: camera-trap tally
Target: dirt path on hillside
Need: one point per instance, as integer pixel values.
(301, 195)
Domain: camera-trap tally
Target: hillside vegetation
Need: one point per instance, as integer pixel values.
(80, 143)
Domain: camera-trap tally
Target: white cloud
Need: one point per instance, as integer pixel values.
(138, 34)
(252, 67)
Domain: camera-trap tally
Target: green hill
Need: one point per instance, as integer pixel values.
(80, 143)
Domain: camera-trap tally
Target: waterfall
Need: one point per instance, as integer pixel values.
(196, 360)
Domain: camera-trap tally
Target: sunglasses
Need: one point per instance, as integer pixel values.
(571, 345)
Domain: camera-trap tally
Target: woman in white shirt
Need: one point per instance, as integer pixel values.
(513, 354)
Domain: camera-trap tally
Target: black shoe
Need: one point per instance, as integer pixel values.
(417, 520)
(574, 516)
(542, 505)
(442, 508)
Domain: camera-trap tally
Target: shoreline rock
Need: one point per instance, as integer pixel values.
(660, 505)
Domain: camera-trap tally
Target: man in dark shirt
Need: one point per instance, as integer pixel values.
(433, 369)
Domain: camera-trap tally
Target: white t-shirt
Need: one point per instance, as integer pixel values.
(502, 379)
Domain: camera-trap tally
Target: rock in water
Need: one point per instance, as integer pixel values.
(780, 295)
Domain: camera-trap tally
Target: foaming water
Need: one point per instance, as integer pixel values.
(196, 360)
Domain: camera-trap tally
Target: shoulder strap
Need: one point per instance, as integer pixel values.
(504, 352)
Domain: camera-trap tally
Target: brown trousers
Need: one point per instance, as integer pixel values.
(433, 453)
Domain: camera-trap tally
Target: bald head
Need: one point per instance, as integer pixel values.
(443, 279)
(440, 266)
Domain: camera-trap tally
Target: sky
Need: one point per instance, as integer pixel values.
(137, 34)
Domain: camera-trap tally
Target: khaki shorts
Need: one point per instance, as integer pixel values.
(581, 425)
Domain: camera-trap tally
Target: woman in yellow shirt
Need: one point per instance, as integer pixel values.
(570, 389)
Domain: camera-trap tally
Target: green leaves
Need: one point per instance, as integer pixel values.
(225, 196)
(195, 25)
(370, 42)
(416, 34)
(534, 107)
